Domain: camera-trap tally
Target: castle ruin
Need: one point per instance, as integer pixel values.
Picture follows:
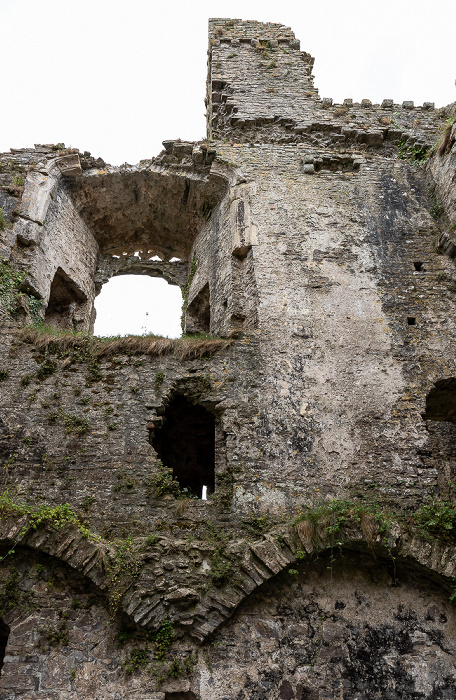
(312, 398)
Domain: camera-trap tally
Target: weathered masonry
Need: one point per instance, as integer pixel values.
(312, 399)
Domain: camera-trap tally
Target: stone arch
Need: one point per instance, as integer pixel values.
(341, 626)
(276, 553)
(59, 628)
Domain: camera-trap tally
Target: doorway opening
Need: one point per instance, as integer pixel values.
(136, 305)
(186, 444)
(4, 634)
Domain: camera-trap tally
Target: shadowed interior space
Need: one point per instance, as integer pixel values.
(64, 299)
(441, 401)
(186, 444)
(4, 633)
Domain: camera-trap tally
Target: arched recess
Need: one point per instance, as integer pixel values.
(198, 316)
(65, 298)
(286, 549)
(440, 417)
(59, 628)
(344, 625)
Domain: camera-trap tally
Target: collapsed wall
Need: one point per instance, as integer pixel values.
(312, 398)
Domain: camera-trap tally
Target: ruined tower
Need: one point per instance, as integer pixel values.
(312, 397)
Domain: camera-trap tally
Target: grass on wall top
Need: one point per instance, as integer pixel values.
(53, 340)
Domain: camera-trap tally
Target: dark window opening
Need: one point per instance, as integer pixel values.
(411, 320)
(440, 417)
(186, 444)
(198, 315)
(418, 266)
(441, 401)
(188, 695)
(4, 634)
(64, 298)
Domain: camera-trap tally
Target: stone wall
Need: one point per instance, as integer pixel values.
(308, 237)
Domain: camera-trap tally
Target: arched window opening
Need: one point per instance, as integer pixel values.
(440, 417)
(4, 634)
(441, 401)
(136, 305)
(198, 317)
(64, 298)
(186, 444)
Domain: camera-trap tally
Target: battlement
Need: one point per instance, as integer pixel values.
(260, 88)
(226, 29)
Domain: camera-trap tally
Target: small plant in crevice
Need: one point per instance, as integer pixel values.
(3, 375)
(12, 597)
(3, 221)
(178, 668)
(10, 287)
(55, 636)
(222, 561)
(75, 424)
(159, 379)
(46, 369)
(87, 503)
(162, 482)
(436, 209)
(163, 639)
(35, 306)
(414, 153)
(151, 540)
(136, 660)
(26, 379)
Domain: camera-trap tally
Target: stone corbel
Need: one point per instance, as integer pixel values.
(36, 198)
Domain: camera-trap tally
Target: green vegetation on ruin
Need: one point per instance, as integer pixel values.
(86, 348)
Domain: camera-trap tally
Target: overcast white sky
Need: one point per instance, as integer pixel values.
(117, 78)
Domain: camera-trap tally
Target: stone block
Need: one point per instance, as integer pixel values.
(374, 138)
